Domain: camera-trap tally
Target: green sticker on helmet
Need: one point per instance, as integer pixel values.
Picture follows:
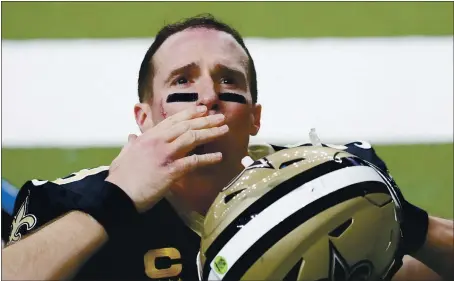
(220, 265)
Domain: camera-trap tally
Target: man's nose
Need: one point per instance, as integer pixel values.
(208, 96)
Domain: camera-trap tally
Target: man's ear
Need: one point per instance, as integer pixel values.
(142, 113)
(256, 115)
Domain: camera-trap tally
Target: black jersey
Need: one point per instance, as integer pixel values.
(161, 247)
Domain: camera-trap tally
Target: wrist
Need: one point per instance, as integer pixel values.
(111, 207)
(138, 204)
(122, 186)
(414, 228)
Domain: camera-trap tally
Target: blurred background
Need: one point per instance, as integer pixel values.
(377, 71)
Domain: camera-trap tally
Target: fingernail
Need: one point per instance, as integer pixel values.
(201, 108)
(224, 128)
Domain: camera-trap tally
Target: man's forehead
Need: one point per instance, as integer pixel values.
(184, 43)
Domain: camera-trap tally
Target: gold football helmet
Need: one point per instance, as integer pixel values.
(304, 213)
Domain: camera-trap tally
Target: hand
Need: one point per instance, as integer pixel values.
(148, 164)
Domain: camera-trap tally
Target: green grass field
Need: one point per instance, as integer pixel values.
(424, 172)
(22, 20)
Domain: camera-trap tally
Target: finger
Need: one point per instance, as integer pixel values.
(189, 140)
(194, 124)
(187, 164)
(132, 137)
(182, 116)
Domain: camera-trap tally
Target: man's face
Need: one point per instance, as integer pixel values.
(203, 66)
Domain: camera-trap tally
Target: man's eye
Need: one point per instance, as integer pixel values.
(181, 80)
(227, 80)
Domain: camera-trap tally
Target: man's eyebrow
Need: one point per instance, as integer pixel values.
(184, 69)
(241, 77)
(225, 68)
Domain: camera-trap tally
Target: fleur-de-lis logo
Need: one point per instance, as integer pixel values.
(21, 219)
(339, 269)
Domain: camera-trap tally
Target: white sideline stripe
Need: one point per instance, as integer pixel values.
(289, 204)
(411, 77)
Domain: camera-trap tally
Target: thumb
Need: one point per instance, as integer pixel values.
(132, 137)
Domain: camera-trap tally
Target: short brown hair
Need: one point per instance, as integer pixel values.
(205, 21)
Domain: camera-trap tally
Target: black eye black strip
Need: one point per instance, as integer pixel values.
(232, 97)
(182, 97)
(191, 97)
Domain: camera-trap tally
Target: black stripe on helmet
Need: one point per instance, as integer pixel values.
(270, 197)
(261, 246)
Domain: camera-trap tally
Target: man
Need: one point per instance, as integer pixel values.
(141, 217)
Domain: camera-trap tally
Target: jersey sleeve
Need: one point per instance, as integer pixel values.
(40, 202)
(31, 210)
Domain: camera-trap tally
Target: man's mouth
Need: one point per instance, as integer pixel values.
(199, 149)
(210, 147)
(203, 149)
